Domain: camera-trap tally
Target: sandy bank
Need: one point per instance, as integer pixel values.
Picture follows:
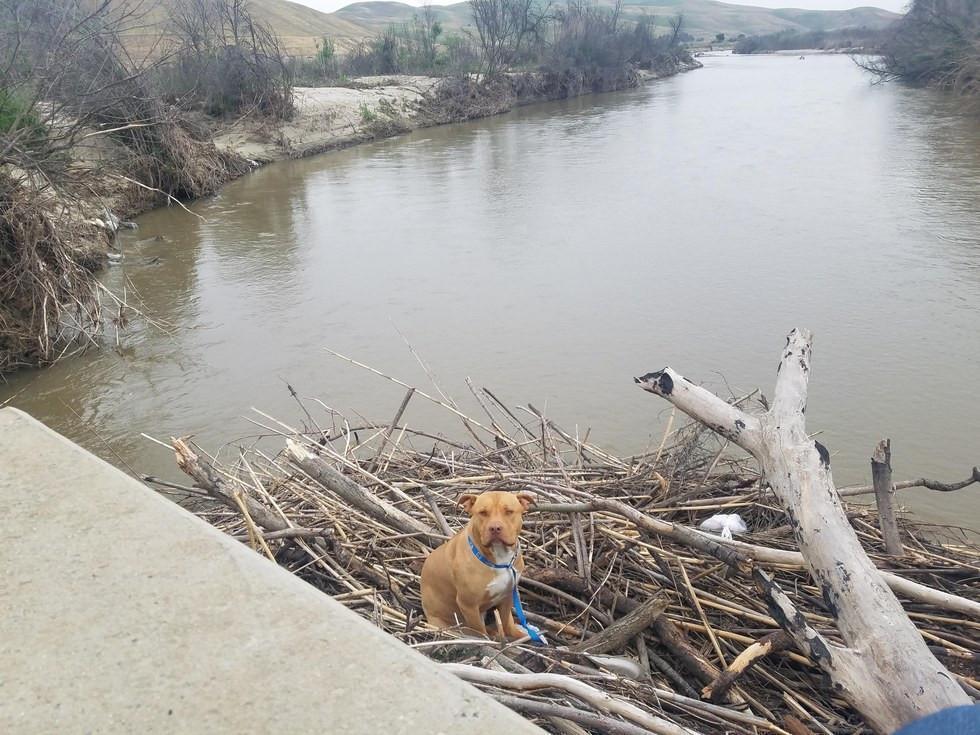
(368, 109)
(330, 117)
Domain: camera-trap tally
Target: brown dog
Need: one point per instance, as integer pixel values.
(457, 587)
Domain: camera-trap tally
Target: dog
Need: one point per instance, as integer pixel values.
(474, 573)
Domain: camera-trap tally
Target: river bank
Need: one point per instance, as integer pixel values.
(373, 108)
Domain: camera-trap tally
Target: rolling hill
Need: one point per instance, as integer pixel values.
(702, 17)
(301, 27)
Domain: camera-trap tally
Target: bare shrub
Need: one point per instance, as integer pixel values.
(503, 28)
(48, 297)
(937, 42)
(228, 62)
(378, 55)
(594, 49)
(410, 48)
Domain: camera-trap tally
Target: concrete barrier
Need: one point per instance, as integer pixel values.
(122, 613)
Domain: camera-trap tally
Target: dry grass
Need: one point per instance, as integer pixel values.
(586, 570)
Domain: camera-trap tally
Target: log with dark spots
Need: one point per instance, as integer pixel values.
(829, 599)
(819, 651)
(824, 455)
(657, 382)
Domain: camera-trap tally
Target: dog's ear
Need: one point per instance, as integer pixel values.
(467, 502)
(526, 499)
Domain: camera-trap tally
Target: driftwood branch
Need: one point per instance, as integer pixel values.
(885, 670)
(591, 720)
(357, 496)
(592, 696)
(671, 637)
(616, 636)
(881, 476)
(273, 527)
(210, 481)
(772, 643)
(940, 487)
(391, 430)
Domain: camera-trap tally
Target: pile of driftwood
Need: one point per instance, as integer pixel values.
(653, 625)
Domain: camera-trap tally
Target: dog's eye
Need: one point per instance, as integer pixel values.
(484, 513)
(509, 511)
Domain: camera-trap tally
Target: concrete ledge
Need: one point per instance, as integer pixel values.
(120, 612)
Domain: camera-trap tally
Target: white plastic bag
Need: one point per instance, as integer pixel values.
(727, 524)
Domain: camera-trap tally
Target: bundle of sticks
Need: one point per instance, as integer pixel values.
(650, 629)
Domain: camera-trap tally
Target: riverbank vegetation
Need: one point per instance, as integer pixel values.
(512, 37)
(653, 625)
(88, 132)
(851, 40)
(936, 43)
(519, 51)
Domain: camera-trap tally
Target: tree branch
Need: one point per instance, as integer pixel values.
(594, 697)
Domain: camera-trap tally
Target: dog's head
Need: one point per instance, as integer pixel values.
(496, 517)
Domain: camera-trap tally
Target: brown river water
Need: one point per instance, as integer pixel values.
(553, 253)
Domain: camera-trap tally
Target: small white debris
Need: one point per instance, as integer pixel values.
(727, 524)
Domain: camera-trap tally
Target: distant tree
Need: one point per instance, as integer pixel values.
(325, 50)
(502, 27)
(719, 37)
(676, 24)
(426, 30)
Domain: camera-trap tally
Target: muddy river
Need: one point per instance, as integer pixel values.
(553, 253)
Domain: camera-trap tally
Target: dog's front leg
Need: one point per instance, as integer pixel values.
(512, 631)
(472, 616)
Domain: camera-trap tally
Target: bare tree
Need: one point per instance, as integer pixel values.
(427, 31)
(676, 26)
(502, 27)
(228, 61)
(937, 42)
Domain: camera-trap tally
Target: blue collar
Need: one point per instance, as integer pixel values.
(533, 633)
(483, 560)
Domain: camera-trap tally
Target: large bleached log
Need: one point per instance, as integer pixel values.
(884, 669)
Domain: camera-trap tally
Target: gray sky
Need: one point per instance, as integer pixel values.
(895, 5)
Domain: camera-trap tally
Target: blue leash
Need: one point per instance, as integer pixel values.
(537, 638)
